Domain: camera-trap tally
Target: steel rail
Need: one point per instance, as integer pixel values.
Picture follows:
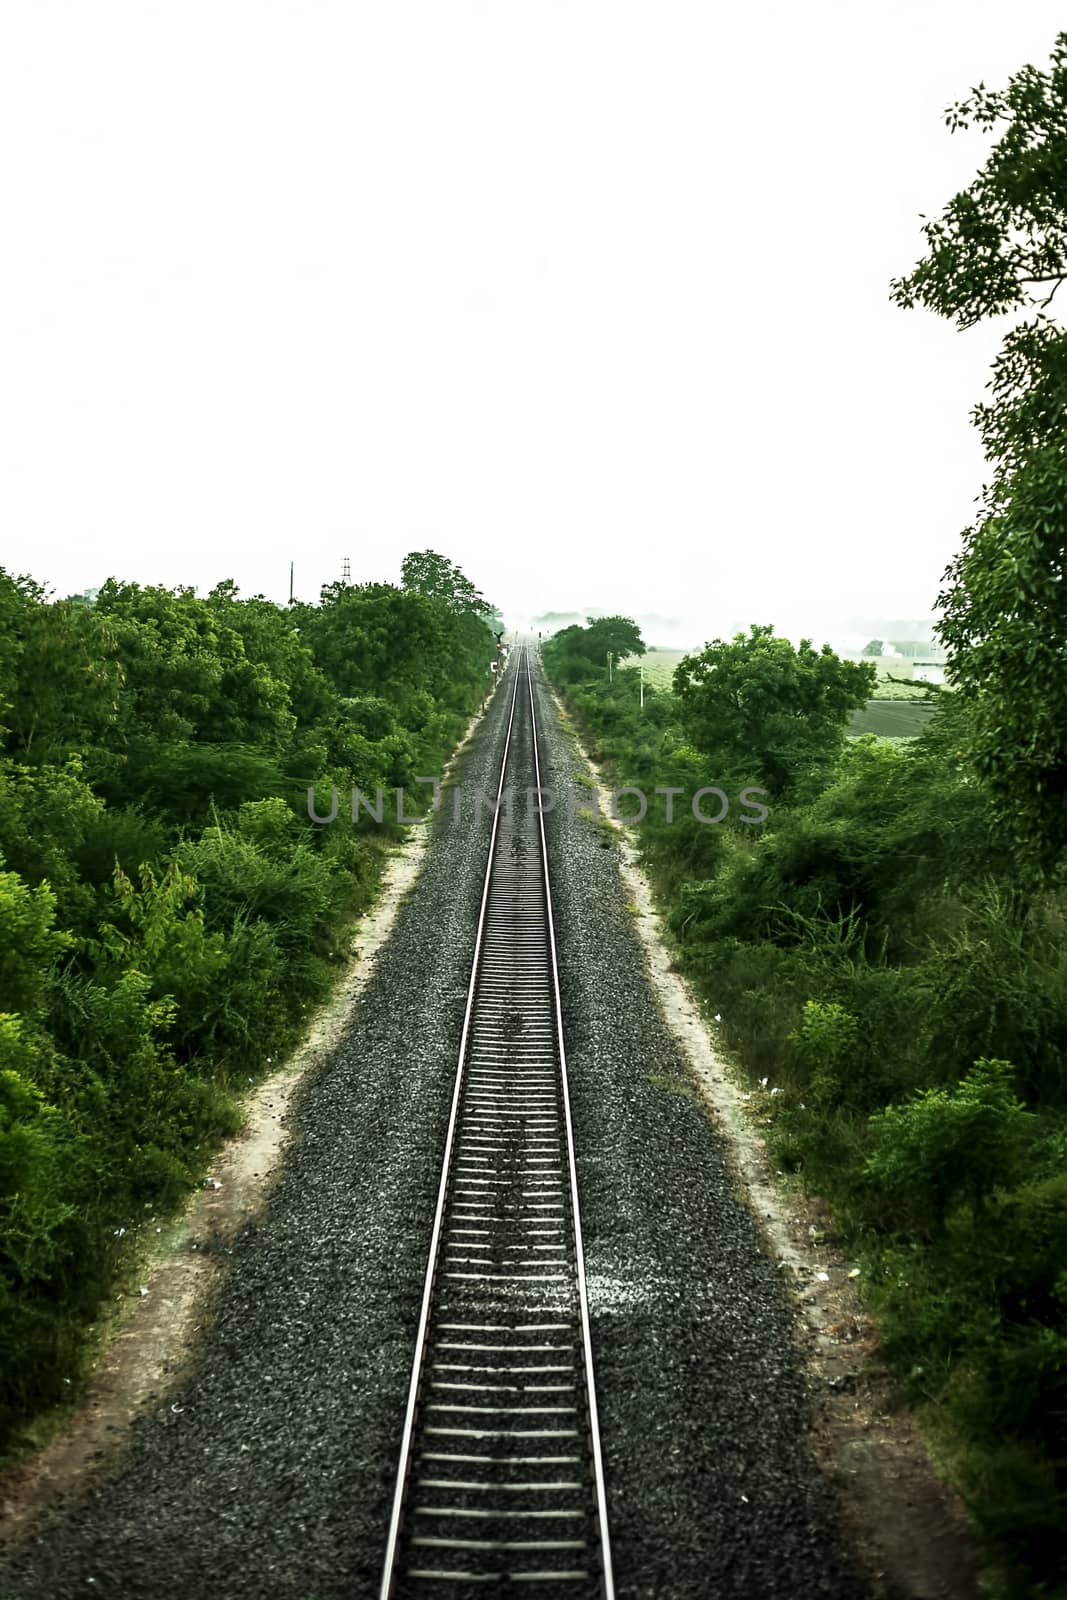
(579, 1250)
(506, 1252)
(442, 1192)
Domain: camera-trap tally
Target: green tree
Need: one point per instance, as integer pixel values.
(60, 678)
(1000, 246)
(189, 673)
(757, 701)
(619, 635)
(375, 639)
(873, 647)
(417, 651)
(16, 596)
(590, 646)
(425, 572)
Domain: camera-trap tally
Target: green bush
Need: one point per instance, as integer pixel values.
(827, 1044)
(120, 836)
(29, 944)
(950, 1145)
(1001, 979)
(294, 888)
(34, 1147)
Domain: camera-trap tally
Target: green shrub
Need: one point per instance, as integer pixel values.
(46, 813)
(946, 1146)
(179, 781)
(224, 990)
(29, 944)
(1001, 981)
(120, 836)
(297, 891)
(826, 1043)
(34, 1146)
(271, 825)
(1024, 1249)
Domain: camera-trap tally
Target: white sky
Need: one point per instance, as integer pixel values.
(590, 297)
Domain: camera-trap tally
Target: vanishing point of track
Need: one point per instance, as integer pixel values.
(500, 1483)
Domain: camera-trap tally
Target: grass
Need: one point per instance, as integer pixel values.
(892, 719)
(659, 666)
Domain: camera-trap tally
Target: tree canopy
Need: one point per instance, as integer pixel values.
(425, 572)
(756, 699)
(619, 635)
(1005, 236)
(580, 653)
(1000, 246)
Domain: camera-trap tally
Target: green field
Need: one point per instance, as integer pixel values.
(892, 719)
(899, 711)
(659, 665)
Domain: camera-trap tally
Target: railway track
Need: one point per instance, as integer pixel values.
(500, 1483)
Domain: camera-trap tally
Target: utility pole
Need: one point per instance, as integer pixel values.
(609, 667)
(291, 582)
(641, 670)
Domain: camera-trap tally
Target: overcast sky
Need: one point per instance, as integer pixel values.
(590, 297)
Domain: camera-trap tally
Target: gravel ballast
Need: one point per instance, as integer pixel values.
(270, 1472)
